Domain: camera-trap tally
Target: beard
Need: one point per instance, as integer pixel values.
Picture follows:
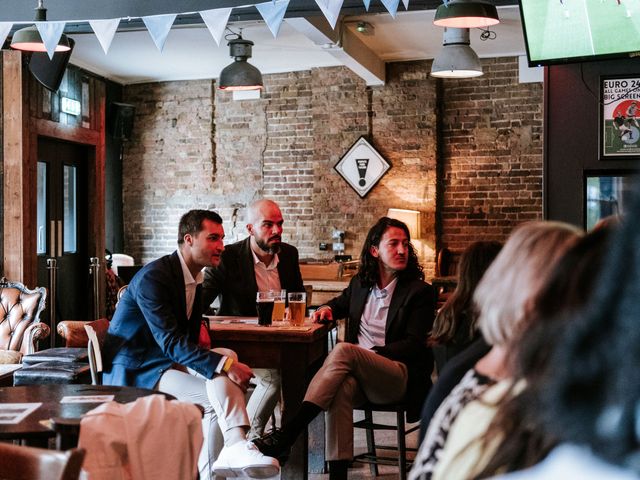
(271, 249)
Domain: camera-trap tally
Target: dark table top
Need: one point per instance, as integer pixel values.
(34, 425)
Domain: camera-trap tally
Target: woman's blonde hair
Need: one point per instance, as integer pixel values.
(512, 282)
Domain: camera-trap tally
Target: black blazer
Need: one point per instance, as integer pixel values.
(409, 321)
(235, 279)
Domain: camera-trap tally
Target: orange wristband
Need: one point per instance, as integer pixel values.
(227, 365)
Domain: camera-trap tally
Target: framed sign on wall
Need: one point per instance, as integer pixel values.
(620, 116)
(362, 167)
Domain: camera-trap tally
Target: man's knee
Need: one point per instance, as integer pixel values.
(227, 353)
(343, 351)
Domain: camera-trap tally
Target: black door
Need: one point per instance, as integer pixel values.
(62, 225)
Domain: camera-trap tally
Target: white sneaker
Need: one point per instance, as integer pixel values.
(243, 459)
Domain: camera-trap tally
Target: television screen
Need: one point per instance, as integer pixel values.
(606, 195)
(561, 31)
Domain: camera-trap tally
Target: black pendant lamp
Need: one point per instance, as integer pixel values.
(466, 14)
(240, 75)
(28, 39)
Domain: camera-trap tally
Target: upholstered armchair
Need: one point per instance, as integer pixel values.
(20, 325)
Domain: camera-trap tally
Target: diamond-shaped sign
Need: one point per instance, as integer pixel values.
(362, 167)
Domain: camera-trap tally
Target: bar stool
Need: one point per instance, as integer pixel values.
(370, 456)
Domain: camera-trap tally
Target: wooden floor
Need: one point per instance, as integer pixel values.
(361, 471)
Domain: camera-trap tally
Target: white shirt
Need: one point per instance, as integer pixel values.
(374, 317)
(267, 277)
(190, 283)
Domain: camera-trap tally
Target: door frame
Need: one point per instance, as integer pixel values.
(21, 130)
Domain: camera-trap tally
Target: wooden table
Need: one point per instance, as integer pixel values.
(33, 428)
(297, 353)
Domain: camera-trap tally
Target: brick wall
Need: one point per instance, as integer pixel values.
(195, 147)
(492, 154)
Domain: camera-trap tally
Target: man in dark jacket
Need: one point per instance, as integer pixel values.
(260, 263)
(384, 359)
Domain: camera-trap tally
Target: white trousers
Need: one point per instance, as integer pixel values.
(223, 402)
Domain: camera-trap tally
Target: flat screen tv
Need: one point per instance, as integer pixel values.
(564, 31)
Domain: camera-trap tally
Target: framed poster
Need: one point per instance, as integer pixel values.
(362, 167)
(607, 193)
(620, 116)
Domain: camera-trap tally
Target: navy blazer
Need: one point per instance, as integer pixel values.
(409, 321)
(234, 279)
(150, 330)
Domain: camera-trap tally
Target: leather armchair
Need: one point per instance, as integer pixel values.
(20, 325)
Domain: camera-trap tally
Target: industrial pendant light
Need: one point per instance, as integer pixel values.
(466, 14)
(240, 75)
(456, 59)
(28, 39)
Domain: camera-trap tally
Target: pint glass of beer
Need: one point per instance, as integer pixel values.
(279, 300)
(297, 308)
(264, 306)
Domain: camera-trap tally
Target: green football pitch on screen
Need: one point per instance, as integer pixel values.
(580, 28)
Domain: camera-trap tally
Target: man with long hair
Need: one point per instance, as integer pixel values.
(384, 358)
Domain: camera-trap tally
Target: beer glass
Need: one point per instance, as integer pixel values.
(264, 306)
(297, 308)
(279, 300)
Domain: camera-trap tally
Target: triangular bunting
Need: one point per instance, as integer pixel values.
(5, 28)
(216, 21)
(50, 32)
(331, 10)
(105, 30)
(366, 4)
(159, 27)
(273, 13)
(406, 4)
(391, 6)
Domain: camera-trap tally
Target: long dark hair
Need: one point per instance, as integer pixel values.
(368, 272)
(456, 320)
(524, 439)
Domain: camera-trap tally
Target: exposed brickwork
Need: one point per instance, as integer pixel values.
(492, 148)
(223, 154)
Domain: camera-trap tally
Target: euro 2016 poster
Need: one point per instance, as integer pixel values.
(620, 117)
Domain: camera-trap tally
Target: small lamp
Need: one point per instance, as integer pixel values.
(240, 75)
(411, 218)
(28, 39)
(456, 59)
(466, 14)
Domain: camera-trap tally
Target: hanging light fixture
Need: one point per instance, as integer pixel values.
(466, 14)
(456, 59)
(240, 75)
(28, 39)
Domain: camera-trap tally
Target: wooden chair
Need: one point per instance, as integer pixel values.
(20, 325)
(28, 463)
(371, 456)
(96, 333)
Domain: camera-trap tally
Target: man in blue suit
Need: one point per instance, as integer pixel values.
(152, 342)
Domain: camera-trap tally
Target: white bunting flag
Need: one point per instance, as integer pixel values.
(216, 21)
(5, 28)
(391, 6)
(406, 4)
(50, 32)
(159, 27)
(105, 30)
(331, 10)
(273, 13)
(366, 4)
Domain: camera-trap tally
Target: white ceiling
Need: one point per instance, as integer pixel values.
(191, 53)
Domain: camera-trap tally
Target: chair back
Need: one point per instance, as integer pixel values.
(120, 293)
(20, 309)
(28, 463)
(96, 332)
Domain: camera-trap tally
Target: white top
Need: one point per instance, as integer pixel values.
(190, 283)
(267, 276)
(374, 316)
(570, 462)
